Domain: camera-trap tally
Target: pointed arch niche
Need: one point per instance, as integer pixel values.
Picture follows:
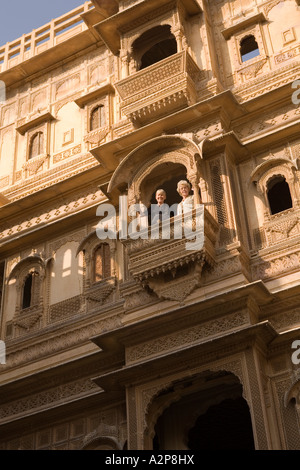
(153, 164)
(277, 184)
(169, 269)
(28, 278)
(100, 270)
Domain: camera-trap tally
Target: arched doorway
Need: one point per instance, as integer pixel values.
(226, 426)
(154, 45)
(208, 413)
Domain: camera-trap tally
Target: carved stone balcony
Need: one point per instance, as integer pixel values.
(161, 88)
(169, 266)
(279, 228)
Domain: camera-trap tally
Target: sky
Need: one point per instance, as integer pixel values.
(22, 16)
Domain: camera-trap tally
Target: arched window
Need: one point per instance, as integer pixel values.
(154, 45)
(27, 292)
(158, 52)
(36, 145)
(97, 118)
(248, 48)
(102, 269)
(279, 195)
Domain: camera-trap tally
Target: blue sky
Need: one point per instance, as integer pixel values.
(22, 16)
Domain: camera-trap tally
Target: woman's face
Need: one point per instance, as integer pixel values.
(160, 197)
(184, 191)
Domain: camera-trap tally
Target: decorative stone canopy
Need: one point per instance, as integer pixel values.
(133, 169)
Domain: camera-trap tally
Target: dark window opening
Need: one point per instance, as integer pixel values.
(102, 268)
(180, 272)
(154, 45)
(279, 195)
(27, 292)
(36, 145)
(249, 48)
(97, 118)
(226, 426)
(158, 52)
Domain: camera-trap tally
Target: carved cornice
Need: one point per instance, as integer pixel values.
(110, 29)
(245, 23)
(42, 401)
(34, 121)
(203, 352)
(37, 346)
(276, 264)
(89, 199)
(105, 89)
(161, 88)
(186, 336)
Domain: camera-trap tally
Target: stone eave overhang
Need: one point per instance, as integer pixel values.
(13, 385)
(51, 57)
(53, 411)
(260, 334)
(279, 96)
(283, 342)
(105, 89)
(35, 121)
(245, 23)
(46, 230)
(32, 203)
(282, 133)
(187, 316)
(110, 29)
(55, 191)
(111, 153)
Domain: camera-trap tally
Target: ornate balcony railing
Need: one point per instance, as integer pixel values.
(172, 266)
(278, 228)
(43, 38)
(161, 88)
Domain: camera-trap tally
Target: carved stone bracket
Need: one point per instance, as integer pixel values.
(26, 321)
(32, 166)
(252, 70)
(100, 291)
(97, 136)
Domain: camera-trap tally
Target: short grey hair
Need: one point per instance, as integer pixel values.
(161, 191)
(183, 183)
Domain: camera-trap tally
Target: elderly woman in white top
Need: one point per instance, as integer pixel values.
(187, 202)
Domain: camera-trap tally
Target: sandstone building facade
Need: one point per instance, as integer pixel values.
(140, 343)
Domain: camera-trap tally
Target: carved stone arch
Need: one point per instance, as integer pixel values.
(26, 264)
(148, 37)
(270, 169)
(125, 175)
(105, 437)
(283, 170)
(263, 171)
(156, 400)
(102, 443)
(180, 157)
(32, 265)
